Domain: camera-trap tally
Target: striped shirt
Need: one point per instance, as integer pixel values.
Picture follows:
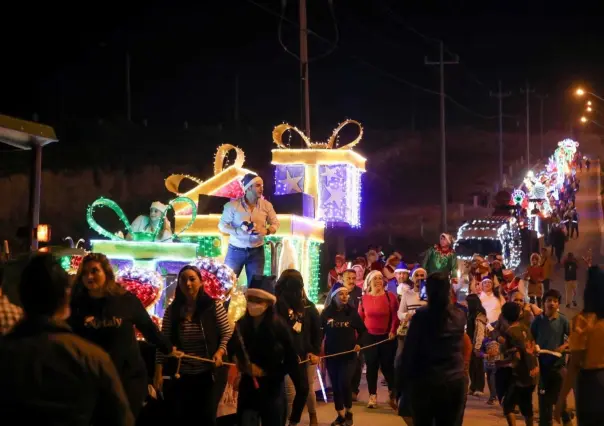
(194, 342)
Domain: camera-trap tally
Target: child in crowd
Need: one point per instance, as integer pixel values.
(491, 354)
(520, 347)
(344, 330)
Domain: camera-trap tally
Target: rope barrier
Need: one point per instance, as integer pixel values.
(211, 361)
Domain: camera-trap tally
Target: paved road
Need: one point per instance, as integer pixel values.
(478, 413)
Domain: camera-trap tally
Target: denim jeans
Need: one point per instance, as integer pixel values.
(251, 258)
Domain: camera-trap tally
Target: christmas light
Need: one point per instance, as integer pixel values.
(505, 231)
(137, 236)
(145, 250)
(146, 285)
(217, 277)
(224, 183)
(207, 225)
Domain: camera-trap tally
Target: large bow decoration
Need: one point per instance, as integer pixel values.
(282, 128)
(173, 181)
(140, 236)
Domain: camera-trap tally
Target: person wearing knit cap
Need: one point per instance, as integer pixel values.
(441, 257)
(263, 368)
(344, 331)
(335, 274)
(403, 280)
(144, 223)
(248, 220)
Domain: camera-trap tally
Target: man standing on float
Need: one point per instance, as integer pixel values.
(248, 220)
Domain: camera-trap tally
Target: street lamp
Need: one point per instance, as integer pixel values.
(580, 92)
(588, 103)
(583, 119)
(588, 109)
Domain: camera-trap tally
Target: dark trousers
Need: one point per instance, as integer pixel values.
(438, 404)
(549, 388)
(191, 397)
(136, 389)
(302, 389)
(546, 285)
(380, 357)
(574, 227)
(588, 396)
(340, 372)
(264, 405)
(503, 377)
(476, 374)
(251, 258)
(358, 372)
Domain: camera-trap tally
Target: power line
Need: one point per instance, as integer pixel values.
(375, 67)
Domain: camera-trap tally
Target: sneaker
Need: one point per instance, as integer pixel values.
(491, 401)
(339, 421)
(355, 396)
(478, 394)
(372, 401)
(348, 419)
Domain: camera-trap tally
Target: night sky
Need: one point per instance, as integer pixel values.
(64, 61)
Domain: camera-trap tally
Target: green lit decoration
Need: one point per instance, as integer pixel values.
(136, 236)
(314, 262)
(208, 245)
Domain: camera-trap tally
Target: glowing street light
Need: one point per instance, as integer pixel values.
(588, 103)
(580, 92)
(588, 109)
(584, 120)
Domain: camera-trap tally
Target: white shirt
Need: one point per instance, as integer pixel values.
(237, 211)
(410, 301)
(492, 305)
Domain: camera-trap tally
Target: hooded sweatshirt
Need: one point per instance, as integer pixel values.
(343, 328)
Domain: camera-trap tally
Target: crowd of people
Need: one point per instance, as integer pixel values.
(438, 331)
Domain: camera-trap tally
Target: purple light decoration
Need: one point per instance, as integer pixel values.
(339, 194)
(172, 267)
(120, 264)
(289, 179)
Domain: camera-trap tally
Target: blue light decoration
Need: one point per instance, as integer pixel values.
(339, 194)
(289, 179)
(328, 171)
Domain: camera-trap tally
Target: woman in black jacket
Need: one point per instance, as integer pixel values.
(198, 325)
(264, 352)
(344, 330)
(105, 313)
(303, 319)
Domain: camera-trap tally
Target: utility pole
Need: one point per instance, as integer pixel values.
(128, 92)
(304, 90)
(443, 134)
(528, 92)
(500, 95)
(541, 99)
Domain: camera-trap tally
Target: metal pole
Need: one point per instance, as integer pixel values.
(35, 183)
(304, 89)
(541, 122)
(443, 144)
(128, 94)
(500, 95)
(443, 141)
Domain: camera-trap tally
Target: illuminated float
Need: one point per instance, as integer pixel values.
(296, 244)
